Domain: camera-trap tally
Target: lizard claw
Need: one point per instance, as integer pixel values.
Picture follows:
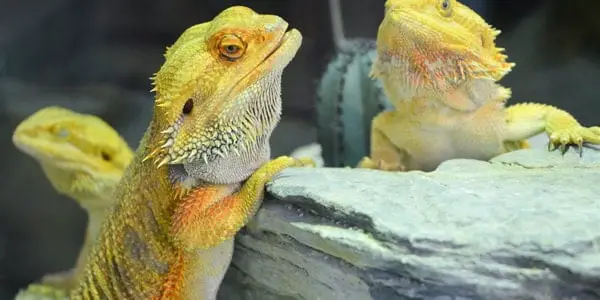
(366, 163)
(562, 139)
(297, 162)
(304, 162)
(181, 191)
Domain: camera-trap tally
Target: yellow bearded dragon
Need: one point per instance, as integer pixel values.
(83, 158)
(439, 66)
(199, 173)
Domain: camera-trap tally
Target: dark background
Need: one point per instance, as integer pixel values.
(95, 56)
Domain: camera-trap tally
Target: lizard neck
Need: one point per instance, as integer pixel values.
(145, 174)
(467, 97)
(61, 180)
(472, 95)
(91, 193)
(404, 80)
(134, 246)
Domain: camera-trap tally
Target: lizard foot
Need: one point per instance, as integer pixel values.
(563, 138)
(283, 162)
(297, 162)
(271, 170)
(303, 162)
(368, 163)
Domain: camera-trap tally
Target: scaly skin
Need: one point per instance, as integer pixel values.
(439, 65)
(83, 158)
(198, 175)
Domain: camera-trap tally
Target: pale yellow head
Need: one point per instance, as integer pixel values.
(217, 88)
(436, 45)
(80, 153)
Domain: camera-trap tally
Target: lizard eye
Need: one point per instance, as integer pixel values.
(59, 131)
(62, 133)
(231, 47)
(188, 107)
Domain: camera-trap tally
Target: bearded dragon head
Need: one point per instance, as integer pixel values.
(218, 92)
(429, 47)
(82, 156)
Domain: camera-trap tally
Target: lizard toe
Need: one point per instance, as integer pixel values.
(366, 163)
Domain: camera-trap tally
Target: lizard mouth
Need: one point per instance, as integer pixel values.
(285, 51)
(279, 57)
(60, 155)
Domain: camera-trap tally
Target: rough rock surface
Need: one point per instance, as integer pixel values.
(524, 226)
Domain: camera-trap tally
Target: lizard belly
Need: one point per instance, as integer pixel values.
(444, 136)
(478, 135)
(427, 154)
(208, 271)
(460, 143)
(475, 145)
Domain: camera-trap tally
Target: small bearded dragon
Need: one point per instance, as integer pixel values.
(439, 66)
(83, 158)
(199, 172)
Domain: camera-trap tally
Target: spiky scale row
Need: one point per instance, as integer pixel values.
(216, 141)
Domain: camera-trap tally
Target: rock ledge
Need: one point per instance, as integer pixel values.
(523, 226)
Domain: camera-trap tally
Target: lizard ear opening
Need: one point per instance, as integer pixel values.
(188, 107)
(105, 156)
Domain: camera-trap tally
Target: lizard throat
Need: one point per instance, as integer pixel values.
(218, 140)
(418, 76)
(242, 126)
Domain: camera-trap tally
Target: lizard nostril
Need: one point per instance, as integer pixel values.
(105, 156)
(188, 106)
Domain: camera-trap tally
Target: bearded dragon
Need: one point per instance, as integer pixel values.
(199, 172)
(439, 66)
(83, 158)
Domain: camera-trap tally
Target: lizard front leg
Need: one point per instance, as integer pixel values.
(204, 225)
(384, 154)
(528, 119)
(201, 222)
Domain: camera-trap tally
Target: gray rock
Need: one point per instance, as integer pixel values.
(523, 226)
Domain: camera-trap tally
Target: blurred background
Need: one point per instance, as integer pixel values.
(96, 56)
